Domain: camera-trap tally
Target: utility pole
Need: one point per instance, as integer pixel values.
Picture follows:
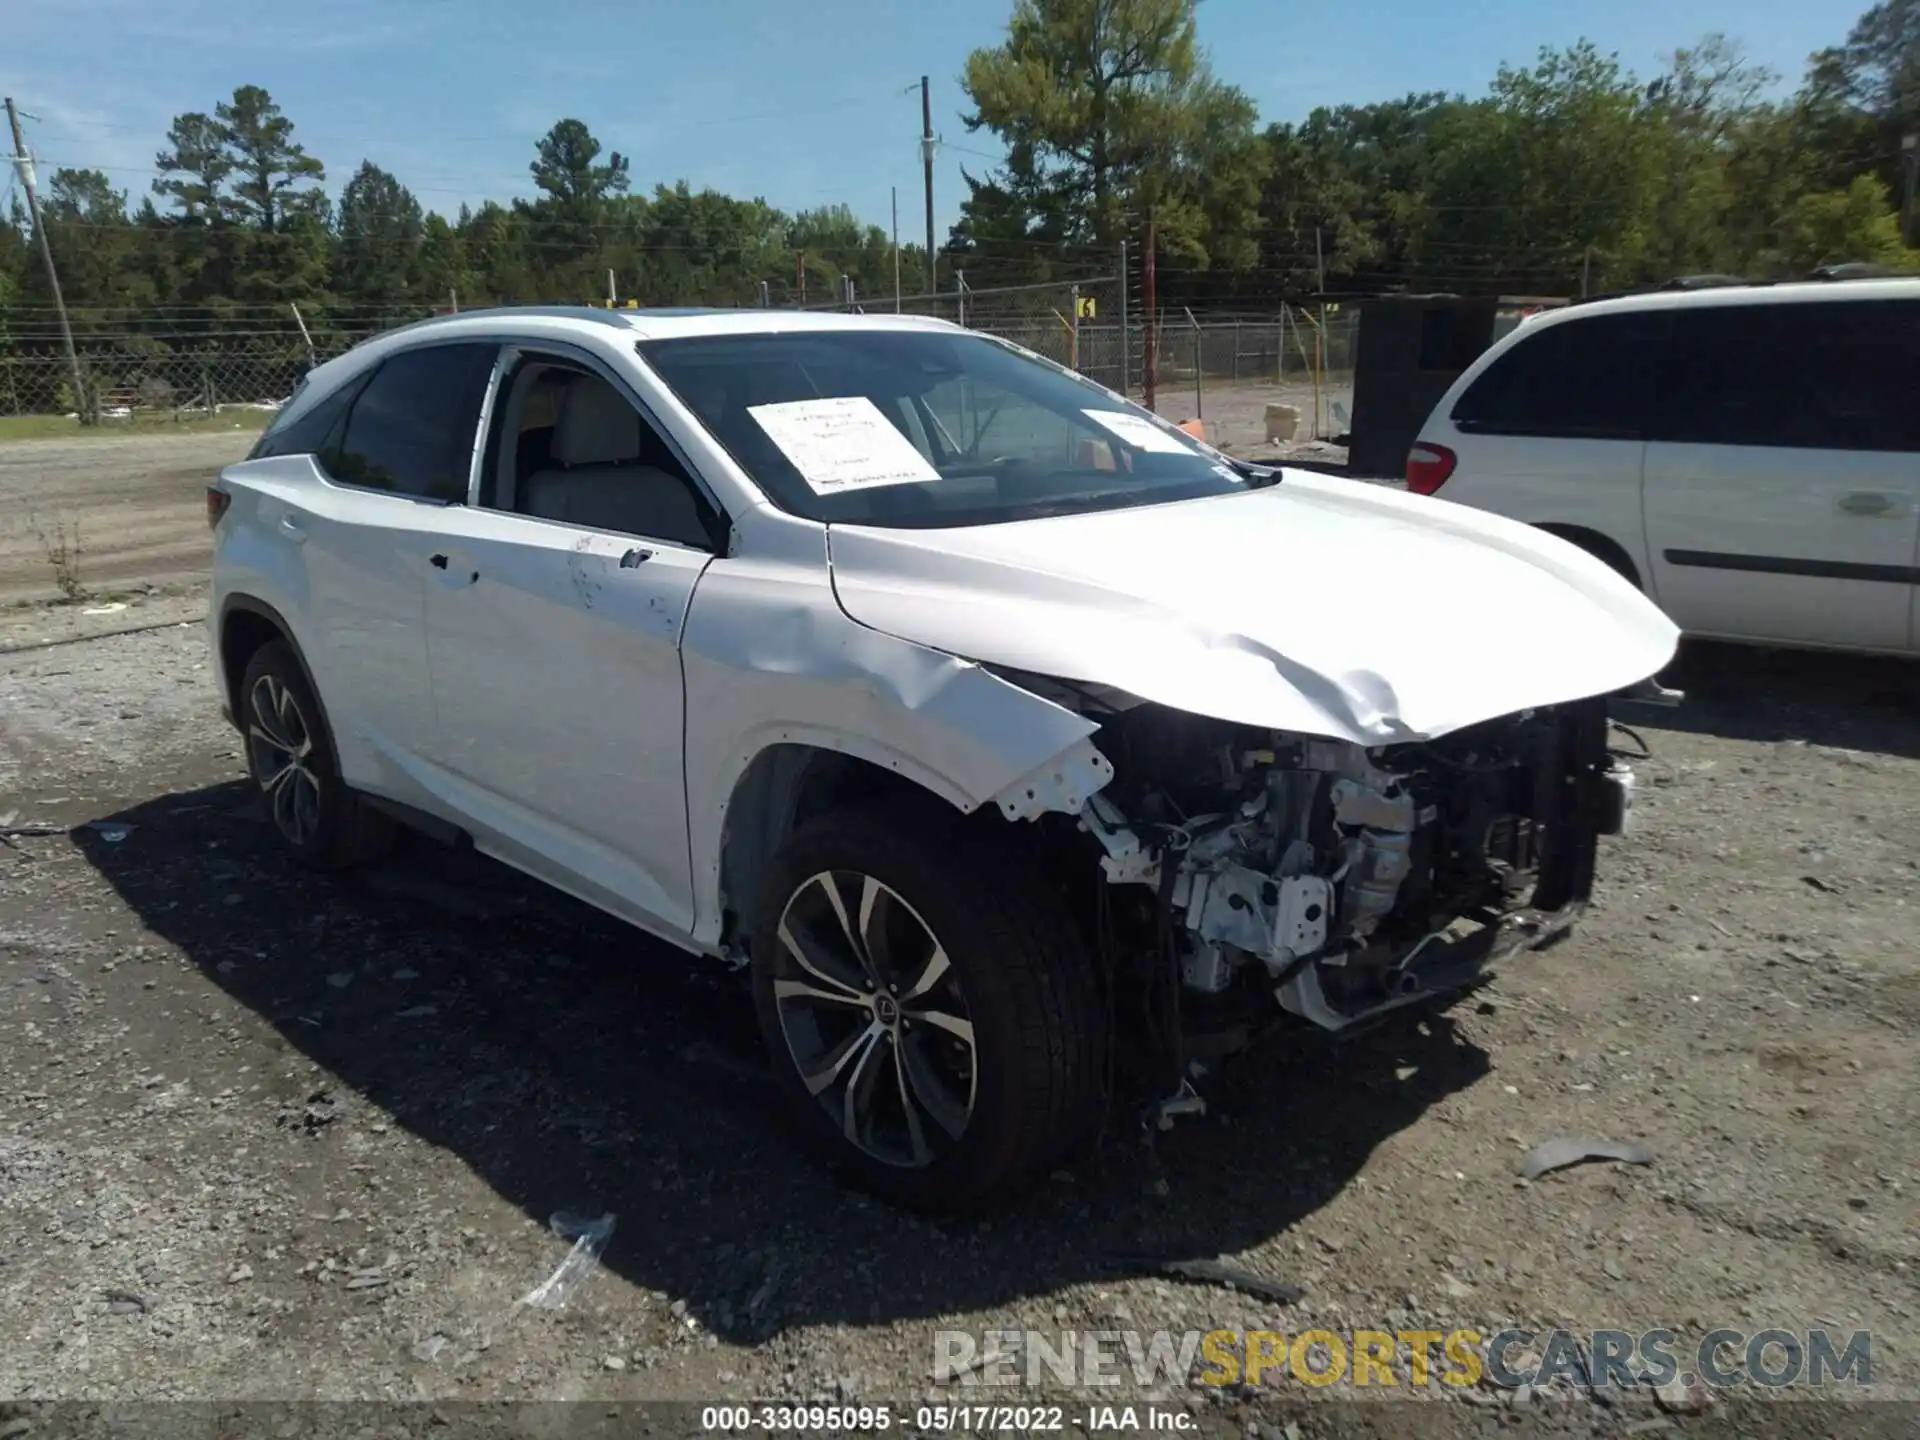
(1151, 370)
(23, 163)
(926, 170)
(1910, 162)
(894, 191)
(1586, 273)
(1126, 358)
(1319, 340)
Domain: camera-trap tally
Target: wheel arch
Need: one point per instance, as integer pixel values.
(790, 780)
(1601, 546)
(246, 624)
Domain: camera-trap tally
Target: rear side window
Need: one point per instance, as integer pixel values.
(1578, 379)
(1843, 375)
(412, 428)
(310, 433)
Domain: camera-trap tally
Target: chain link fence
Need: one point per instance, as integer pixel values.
(143, 364)
(155, 364)
(1081, 324)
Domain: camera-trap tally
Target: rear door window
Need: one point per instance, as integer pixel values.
(1842, 375)
(413, 427)
(1585, 378)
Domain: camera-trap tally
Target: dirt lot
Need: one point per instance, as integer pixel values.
(1236, 414)
(268, 1135)
(264, 1134)
(107, 514)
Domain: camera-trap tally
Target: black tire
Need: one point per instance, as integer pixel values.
(1018, 971)
(311, 810)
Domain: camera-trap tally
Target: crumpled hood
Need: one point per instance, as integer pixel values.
(1317, 605)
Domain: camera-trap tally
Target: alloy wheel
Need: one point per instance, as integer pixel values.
(874, 1018)
(280, 747)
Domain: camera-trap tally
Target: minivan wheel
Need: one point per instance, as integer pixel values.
(935, 1025)
(291, 758)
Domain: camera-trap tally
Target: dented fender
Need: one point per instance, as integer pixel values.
(771, 659)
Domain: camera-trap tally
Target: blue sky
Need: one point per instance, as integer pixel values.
(805, 104)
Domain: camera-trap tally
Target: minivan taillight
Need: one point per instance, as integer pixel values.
(217, 502)
(1428, 467)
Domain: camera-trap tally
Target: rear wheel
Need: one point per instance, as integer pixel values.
(935, 1025)
(291, 758)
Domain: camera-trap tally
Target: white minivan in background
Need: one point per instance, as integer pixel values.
(1748, 455)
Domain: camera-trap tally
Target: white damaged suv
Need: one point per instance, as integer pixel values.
(1002, 728)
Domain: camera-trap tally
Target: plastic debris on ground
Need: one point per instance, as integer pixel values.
(589, 1236)
(431, 1348)
(1209, 1272)
(1558, 1154)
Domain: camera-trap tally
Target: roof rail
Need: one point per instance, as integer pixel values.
(1858, 270)
(1703, 282)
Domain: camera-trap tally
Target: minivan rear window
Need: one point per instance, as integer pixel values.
(1580, 378)
(1839, 375)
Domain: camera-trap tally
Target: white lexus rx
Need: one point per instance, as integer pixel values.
(998, 725)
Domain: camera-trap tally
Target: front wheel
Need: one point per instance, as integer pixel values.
(935, 1024)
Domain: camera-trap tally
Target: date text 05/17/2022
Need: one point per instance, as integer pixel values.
(941, 1419)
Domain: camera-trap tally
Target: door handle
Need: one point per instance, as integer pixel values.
(1867, 502)
(291, 527)
(633, 559)
(439, 562)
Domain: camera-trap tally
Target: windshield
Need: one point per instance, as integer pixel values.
(926, 428)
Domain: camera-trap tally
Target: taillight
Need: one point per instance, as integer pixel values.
(1428, 467)
(217, 502)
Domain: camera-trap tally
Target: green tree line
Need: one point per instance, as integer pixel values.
(1570, 173)
(1566, 174)
(238, 219)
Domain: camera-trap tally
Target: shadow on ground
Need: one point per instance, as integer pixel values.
(573, 1063)
(1743, 692)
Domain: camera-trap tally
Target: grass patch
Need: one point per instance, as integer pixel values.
(157, 422)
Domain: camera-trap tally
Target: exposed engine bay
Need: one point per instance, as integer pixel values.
(1246, 867)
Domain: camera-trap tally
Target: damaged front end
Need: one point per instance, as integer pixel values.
(1248, 872)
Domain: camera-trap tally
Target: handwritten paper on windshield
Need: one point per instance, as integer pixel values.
(1138, 431)
(843, 443)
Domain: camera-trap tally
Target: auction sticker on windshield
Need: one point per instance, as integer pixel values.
(842, 443)
(1137, 431)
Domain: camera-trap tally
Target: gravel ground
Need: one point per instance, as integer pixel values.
(266, 1135)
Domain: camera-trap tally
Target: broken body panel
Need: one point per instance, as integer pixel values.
(1358, 741)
